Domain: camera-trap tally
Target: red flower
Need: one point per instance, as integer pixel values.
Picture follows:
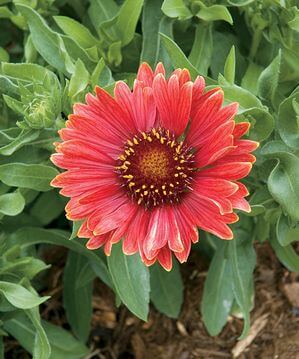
(153, 164)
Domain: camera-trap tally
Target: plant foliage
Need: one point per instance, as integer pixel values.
(51, 54)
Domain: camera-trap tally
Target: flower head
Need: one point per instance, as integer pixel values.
(150, 166)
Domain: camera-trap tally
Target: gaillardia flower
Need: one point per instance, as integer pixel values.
(150, 166)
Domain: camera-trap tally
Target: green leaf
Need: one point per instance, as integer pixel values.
(12, 204)
(202, 48)
(3, 188)
(28, 194)
(46, 41)
(249, 80)
(8, 87)
(262, 229)
(30, 236)
(127, 20)
(234, 93)
(73, 52)
(4, 55)
(22, 267)
(1, 348)
(14, 104)
(286, 254)
(131, 280)
(75, 229)
(101, 11)
(77, 301)
(230, 66)
(79, 80)
(177, 56)
(151, 19)
(48, 206)
(213, 13)
(63, 344)
(95, 76)
(76, 31)
(25, 136)
(26, 72)
(42, 348)
(268, 80)
(166, 28)
(294, 23)
(261, 121)
(5, 12)
(240, 2)
(167, 289)
(283, 182)
(218, 295)
(36, 177)
(286, 233)
(176, 8)
(30, 53)
(242, 257)
(19, 296)
(288, 121)
(114, 53)
(26, 154)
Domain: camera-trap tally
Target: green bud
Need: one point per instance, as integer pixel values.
(41, 103)
(40, 112)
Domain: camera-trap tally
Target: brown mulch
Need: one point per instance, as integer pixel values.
(116, 333)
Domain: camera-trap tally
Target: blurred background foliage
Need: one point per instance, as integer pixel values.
(51, 54)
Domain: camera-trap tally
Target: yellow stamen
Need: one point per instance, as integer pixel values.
(128, 177)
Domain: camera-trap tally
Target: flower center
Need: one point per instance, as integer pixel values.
(155, 168)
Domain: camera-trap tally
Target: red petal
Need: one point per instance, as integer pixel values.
(241, 128)
(173, 102)
(110, 110)
(198, 87)
(74, 149)
(76, 212)
(206, 115)
(183, 75)
(229, 171)
(243, 191)
(237, 199)
(245, 146)
(206, 216)
(215, 186)
(174, 241)
(159, 69)
(217, 145)
(158, 232)
(240, 203)
(165, 258)
(188, 231)
(136, 232)
(114, 219)
(231, 158)
(145, 74)
(103, 209)
(83, 231)
(139, 105)
(96, 242)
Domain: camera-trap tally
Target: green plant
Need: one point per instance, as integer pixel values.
(49, 62)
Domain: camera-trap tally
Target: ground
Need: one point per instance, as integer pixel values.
(116, 333)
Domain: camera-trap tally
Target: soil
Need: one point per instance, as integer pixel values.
(116, 333)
